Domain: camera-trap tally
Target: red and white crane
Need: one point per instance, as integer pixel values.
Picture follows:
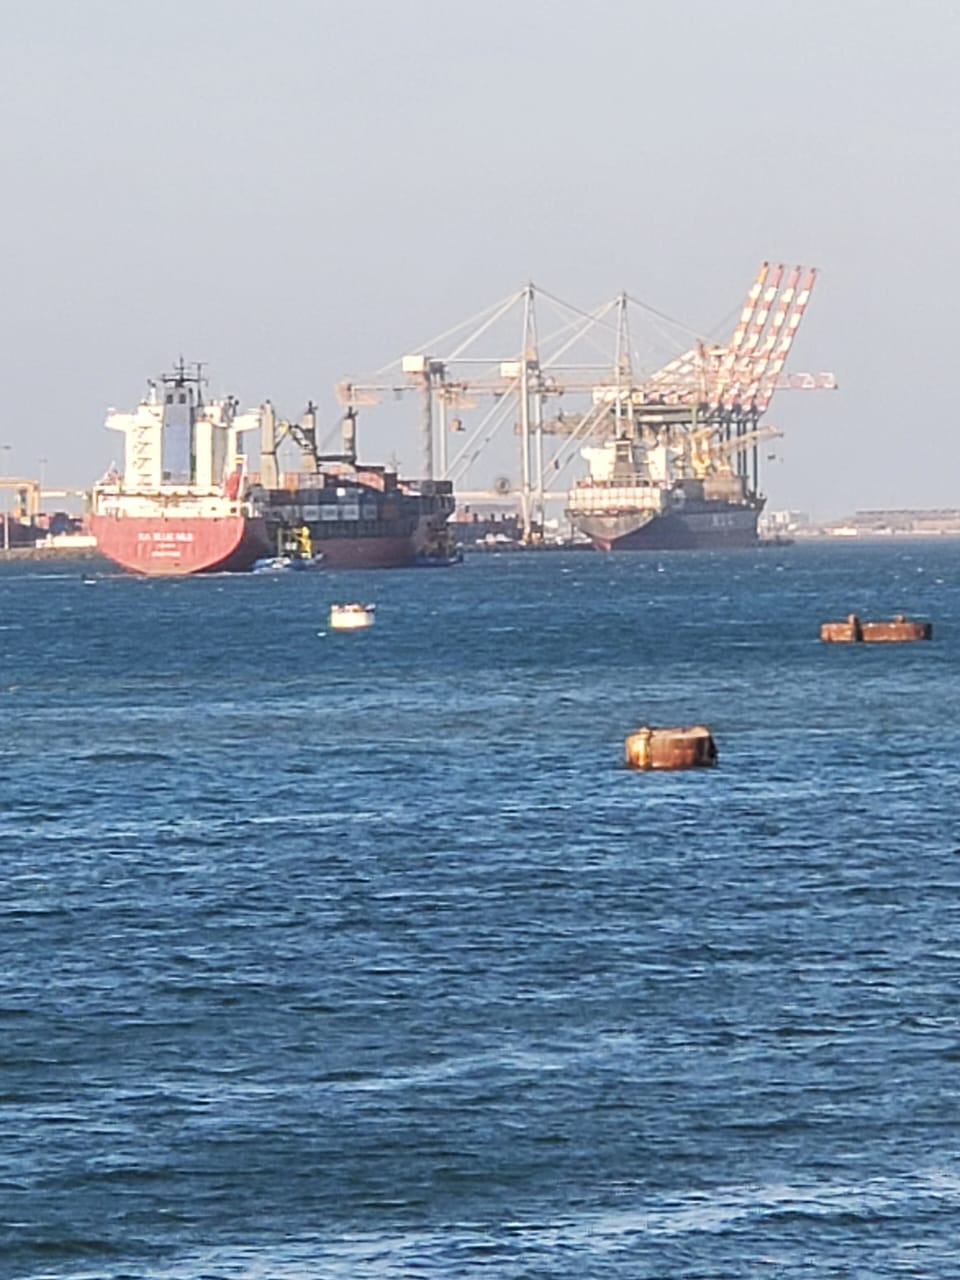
(717, 390)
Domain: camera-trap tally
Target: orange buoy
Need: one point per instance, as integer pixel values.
(683, 748)
(842, 632)
(898, 630)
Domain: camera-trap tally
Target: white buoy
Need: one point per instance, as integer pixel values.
(351, 617)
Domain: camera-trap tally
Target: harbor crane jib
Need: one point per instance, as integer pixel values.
(549, 369)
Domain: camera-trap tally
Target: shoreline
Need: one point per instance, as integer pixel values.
(53, 554)
(90, 555)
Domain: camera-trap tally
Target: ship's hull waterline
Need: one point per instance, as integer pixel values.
(181, 545)
(396, 527)
(232, 544)
(720, 527)
(366, 552)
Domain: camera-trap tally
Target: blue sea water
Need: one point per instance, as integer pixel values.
(362, 955)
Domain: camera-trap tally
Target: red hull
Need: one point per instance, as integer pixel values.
(173, 547)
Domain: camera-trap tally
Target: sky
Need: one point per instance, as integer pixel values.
(299, 191)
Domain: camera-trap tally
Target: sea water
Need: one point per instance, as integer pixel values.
(362, 955)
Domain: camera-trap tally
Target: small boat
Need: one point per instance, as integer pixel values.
(439, 552)
(439, 559)
(351, 617)
(287, 564)
(272, 564)
(300, 563)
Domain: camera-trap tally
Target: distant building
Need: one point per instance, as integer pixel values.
(485, 523)
(772, 523)
(941, 522)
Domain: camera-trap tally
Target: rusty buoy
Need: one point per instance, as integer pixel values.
(898, 630)
(842, 632)
(683, 748)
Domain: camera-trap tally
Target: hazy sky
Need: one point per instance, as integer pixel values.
(297, 191)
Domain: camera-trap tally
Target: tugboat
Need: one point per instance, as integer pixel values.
(296, 554)
(440, 552)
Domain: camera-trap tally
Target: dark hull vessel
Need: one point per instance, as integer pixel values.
(367, 519)
(15, 533)
(716, 524)
(631, 501)
(353, 515)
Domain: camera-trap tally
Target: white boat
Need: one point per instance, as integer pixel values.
(273, 564)
(351, 617)
(287, 564)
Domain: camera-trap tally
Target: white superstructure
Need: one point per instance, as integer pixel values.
(174, 440)
(182, 456)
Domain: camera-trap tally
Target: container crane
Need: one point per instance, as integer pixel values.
(724, 388)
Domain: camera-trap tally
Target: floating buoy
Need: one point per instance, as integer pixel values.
(685, 748)
(842, 632)
(352, 617)
(897, 631)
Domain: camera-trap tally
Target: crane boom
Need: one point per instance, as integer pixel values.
(708, 399)
(773, 334)
(782, 350)
(744, 359)
(740, 332)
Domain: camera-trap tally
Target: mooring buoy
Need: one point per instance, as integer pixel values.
(692, 747)
(897, 631)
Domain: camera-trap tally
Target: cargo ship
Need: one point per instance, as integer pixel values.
(633, 500)
(363, 517)
(187, 502)
(677, 459)
(179, 506)
(354, 515)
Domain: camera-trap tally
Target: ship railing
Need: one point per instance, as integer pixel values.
(428, 488)
(597, 498)
(619, 482)
(146, 503)
(161, 493)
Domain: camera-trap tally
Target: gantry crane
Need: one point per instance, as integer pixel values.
(721, 390)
